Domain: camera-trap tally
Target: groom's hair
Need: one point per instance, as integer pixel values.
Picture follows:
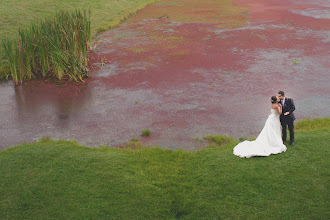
(281, 93)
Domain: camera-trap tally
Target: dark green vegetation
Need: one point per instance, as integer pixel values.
(59, 179)
(146, 132)
(218, 140)
(17, 14)
(56, 46)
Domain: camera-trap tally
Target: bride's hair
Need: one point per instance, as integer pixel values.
(273, 99)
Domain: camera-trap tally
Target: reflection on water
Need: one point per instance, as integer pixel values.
(38, 109)
(55, 107)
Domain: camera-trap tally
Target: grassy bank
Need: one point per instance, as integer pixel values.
(105, 14)
(62, 180)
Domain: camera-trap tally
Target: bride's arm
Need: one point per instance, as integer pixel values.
(279, 109)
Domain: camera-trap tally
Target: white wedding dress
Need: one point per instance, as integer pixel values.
(268, 142)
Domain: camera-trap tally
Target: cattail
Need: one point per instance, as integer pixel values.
(57, 46)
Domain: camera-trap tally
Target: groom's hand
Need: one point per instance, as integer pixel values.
(286, 113)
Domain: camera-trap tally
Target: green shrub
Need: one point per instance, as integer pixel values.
(146, 132)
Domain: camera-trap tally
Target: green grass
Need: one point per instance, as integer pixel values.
(215, 140)
(62, 180)
(146, 132)
(313, 124)
(169, 3)
(105, 14)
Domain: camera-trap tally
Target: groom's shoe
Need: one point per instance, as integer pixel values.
(292, 143)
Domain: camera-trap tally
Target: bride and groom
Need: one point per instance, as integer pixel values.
(269, 140)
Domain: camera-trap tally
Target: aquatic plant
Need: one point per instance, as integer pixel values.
(54, 47)
(146, 132)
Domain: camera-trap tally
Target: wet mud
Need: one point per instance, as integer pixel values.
(183, 70)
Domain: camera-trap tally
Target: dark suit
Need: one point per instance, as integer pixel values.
(287, 120)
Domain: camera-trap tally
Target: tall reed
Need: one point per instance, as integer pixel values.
(57, 46)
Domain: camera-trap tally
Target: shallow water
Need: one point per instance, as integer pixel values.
(181, 81)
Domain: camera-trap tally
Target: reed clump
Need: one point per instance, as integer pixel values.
(53, 47)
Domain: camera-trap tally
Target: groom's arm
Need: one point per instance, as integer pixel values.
(293, 107)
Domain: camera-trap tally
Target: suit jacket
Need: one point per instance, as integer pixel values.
(287, 107)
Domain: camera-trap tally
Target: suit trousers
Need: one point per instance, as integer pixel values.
(287, 122)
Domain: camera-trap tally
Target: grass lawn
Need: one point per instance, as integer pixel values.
(62, 180)
(20, 13)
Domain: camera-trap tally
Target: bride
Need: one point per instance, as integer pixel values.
(269, 140)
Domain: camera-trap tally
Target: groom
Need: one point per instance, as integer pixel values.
(287, 116)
